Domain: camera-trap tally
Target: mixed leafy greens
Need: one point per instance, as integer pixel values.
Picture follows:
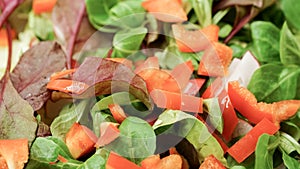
(138, 79)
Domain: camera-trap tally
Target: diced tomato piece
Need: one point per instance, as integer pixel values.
(116, 161)
(3, 37)
(177, 101)
(193, 86)
(190, 40)
(211, 162)
(159, 79)
(246, 145)
(117, 112)
(215, 60)
(108, 133)
(245, 102)
(40, 6)
(166, 10)
(149, 63)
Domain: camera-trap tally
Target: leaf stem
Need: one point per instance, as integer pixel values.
(7, 9)
(73, 37)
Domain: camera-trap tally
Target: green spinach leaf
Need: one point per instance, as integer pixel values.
(274, 82)
(290, 9)
(68, 116)
(289, 46)
(211, 106)
(265, 37)
(45, 151)
(137, 140)
(290, 162)
(127, 42)
(288, 143)
(264, 151)
(193, 130)
(99, 11)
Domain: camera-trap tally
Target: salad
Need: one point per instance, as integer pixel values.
(149, 84)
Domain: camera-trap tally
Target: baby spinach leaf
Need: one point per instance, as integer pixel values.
(265, 37)
(289, 46)
(97, 113)
(68, 116)
(16, 115)
(211, 106)
(264, 151)
(193, 130)
(98, 11)
(34, 69)
(137, 140)
(288, 143)
(290, 162)
(274, 82)
(45, 152)
(127, 42)
(128, 14)
(291, 11)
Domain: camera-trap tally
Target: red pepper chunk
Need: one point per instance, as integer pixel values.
(177, 101)
(246, 145)
(245, 102)
(116, 161)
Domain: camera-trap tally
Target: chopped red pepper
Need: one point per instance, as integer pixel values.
(177, 101)
(166, 10)
(246, 145)
(116, 161)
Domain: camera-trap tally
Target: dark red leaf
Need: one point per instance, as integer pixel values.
(33, 72)
(105, 77)
(16, 115)
(71, 25)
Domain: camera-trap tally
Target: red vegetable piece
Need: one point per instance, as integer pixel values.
(116, 161)
(149, 63)
(3, 37)
(177, 101)
(159, 79)
(211, 162)
(67, 86)
(182, 73)
(246, 145)
(245, 102)
(117, 112)
(211, 32)
(215, 60)
(166, 10)
(109, 132)
(193, 86)
(14, 153)
(190, 40)
(41, 6)
(62, 74)
(216, 89)
(80, 140)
